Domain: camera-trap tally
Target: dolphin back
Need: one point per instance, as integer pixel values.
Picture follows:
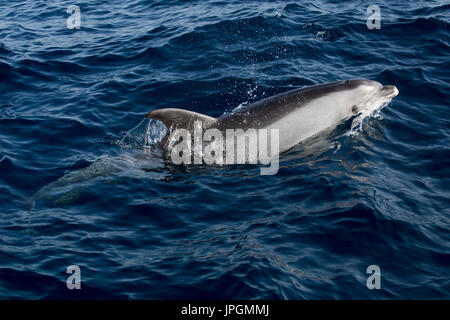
(179, 118)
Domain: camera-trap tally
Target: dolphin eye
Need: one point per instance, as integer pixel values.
(346, 81)
(354, 108)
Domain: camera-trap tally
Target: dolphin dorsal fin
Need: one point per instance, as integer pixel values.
(179, 118)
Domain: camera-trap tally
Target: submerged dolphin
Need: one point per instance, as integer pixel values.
(298, 114)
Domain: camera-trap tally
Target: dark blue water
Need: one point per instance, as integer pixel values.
(141, 228)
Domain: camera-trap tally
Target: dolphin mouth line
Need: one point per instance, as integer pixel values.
(389, 92)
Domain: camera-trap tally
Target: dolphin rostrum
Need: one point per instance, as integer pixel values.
(298, 114)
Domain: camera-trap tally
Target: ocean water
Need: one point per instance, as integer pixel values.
(81, 184)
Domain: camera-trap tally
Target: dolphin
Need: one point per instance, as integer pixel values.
(298, 114)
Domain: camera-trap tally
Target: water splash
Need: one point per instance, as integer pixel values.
(146, 135)
(372, 110)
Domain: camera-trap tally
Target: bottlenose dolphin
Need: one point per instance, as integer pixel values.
(298, 114)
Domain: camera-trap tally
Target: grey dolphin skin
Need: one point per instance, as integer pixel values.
(297, 114)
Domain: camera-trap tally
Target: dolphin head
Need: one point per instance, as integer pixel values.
(363, 93)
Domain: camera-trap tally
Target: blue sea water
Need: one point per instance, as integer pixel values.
(140, 228)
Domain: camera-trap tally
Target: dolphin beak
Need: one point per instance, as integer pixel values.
(389, 92)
